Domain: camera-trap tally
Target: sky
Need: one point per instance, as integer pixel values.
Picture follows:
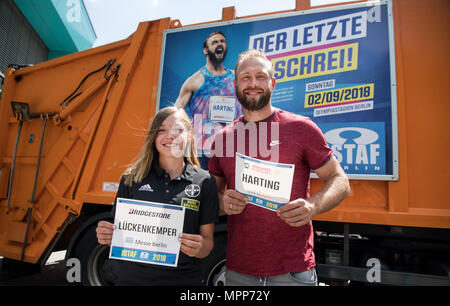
(115, 20)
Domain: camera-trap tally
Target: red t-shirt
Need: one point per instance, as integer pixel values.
(259, 242)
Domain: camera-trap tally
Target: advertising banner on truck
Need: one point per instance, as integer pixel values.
(335, 65)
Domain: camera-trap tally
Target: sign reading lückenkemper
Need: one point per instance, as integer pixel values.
(147, 232)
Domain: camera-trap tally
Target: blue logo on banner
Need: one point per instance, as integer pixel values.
(360, 147)
(143, 256)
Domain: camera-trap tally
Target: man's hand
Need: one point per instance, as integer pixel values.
(335, 188)
(233, 202)
(296, 213)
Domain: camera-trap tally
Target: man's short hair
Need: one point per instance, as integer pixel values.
(205, 43)
(252, 53)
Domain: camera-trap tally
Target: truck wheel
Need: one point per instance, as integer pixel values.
(96, 268)
(214, 264)
(216, 276)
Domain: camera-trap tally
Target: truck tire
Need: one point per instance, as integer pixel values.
(216, 276)
(214, 264)
(96, 268)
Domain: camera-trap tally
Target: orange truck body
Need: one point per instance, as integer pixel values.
(89, 141)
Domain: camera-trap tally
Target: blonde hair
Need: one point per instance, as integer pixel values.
(141, 167)
(252, 53)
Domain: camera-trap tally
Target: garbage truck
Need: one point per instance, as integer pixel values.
(372, 74)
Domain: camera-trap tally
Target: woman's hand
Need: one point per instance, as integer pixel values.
(198, 245)
(105, 231)
(191, 244)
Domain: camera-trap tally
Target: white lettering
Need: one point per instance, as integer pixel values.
(74, 13)
(74, 273)
(322, 32)
(374, 273)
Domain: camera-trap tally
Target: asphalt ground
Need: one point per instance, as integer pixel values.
(53, 273)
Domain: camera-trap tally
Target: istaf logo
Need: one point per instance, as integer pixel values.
(359, 147)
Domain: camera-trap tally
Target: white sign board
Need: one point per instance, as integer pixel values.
(147, 232)
(266, 184)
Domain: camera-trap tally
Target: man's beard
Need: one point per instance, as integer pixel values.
(253, 104)
(213, 57)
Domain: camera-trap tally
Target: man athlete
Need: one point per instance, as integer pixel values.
(272, 247)
(209, 96)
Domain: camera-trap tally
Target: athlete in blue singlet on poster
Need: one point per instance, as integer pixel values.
(210, 95)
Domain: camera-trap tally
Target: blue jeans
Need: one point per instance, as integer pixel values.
(305, 278)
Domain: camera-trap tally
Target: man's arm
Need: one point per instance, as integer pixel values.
(336, 187)
(189, 87)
